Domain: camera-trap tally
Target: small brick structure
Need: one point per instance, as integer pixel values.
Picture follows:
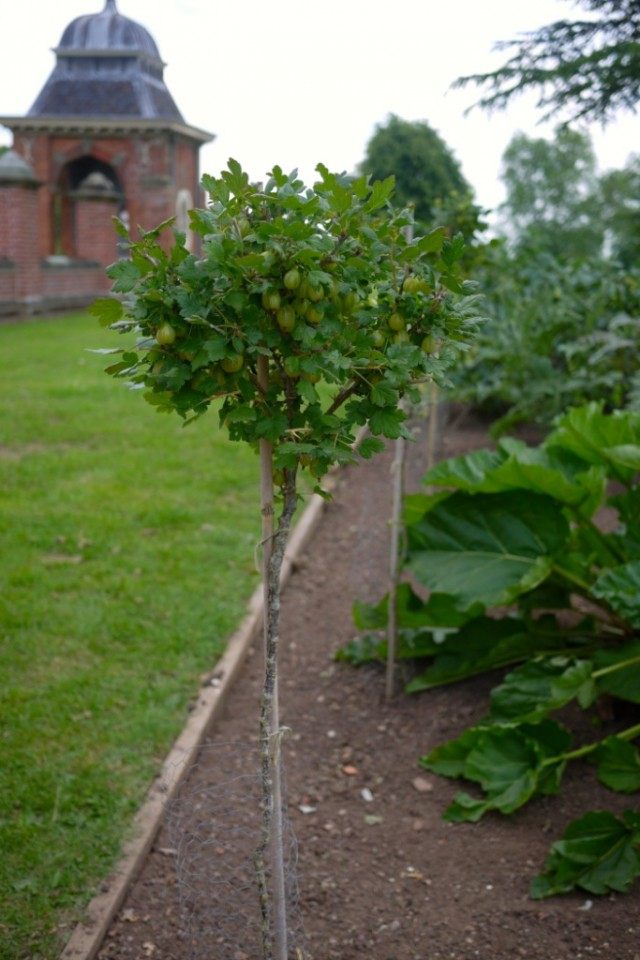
(103, 138)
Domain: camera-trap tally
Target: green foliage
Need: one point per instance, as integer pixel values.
(620, 588)
(308, 279)
(598, 853)
(514, 528)
(511, 764)
(563, 290)
(587, 69)
(559, 334)
(426, 173)
(483, 550)
(619, 211)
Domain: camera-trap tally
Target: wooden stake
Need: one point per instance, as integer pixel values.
(432, 427)
(397, 470)
(272, 894)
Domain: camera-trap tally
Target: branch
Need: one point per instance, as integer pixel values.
(343, 395)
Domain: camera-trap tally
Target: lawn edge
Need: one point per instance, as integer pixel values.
(88, 935)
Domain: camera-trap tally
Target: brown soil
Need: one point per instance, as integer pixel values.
(383, 878)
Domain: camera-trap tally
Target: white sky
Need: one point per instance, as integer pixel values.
(296, 82)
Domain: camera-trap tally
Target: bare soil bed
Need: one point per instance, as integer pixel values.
(379, 874)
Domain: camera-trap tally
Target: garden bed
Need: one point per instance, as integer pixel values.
(380, 874)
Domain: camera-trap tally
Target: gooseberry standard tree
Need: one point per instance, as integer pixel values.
(296, 322)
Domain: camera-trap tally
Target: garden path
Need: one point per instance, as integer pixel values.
(380, 875)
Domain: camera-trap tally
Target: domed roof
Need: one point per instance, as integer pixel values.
(15, 169)
(108, 30)
(106, 66)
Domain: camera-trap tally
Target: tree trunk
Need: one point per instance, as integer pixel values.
(271, 882)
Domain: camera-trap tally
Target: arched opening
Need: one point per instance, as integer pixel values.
(75, 176)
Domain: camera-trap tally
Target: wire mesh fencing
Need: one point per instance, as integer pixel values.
(214, 823)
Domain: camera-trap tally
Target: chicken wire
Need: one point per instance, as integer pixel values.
(214, 825)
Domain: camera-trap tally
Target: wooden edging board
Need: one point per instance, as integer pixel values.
(89, 934)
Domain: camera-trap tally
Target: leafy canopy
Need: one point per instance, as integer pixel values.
(324, 284)
(586, 69)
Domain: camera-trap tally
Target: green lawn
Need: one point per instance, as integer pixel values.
(127, 559)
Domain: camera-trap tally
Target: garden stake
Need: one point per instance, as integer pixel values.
(397, 471)
(272, 901)
(432, 427)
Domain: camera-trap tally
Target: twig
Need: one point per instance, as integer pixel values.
(343, 395)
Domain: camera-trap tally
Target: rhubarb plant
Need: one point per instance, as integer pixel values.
(521, 573)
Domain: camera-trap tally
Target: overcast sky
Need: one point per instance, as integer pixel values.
(296, 82)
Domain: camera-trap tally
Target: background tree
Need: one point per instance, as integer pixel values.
(586, 69)
(552, 194)
(425, 169)
(563, 293)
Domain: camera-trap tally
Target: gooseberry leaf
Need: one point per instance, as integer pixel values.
(108, 310)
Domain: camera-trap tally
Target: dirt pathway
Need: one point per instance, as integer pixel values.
(380, 875)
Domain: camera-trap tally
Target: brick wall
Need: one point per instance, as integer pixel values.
(95, 234)
(7, 281)
(72, 280)
(151, 169)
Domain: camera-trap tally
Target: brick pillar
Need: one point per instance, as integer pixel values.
(96, 237)
(19, 230)
(95, 205)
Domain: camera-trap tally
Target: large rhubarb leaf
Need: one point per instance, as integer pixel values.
(372, 647)
(618, 763)
(617, 671)
(413, 612)
(470, 472)
(620, 588)
(557, 473)
(538, 686)
(598, 852)
(608, 439)
(628, 534)
(511, 765)
(486, 644)
(515, 466)
(487, 548)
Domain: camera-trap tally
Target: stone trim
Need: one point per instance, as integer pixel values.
(97, 126)
(69, 263)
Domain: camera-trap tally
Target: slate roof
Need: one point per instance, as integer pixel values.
(107, 66)
(108, 30)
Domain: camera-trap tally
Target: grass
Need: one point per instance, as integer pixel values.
(127, 560)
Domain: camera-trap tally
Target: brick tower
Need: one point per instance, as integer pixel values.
(103, 137)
